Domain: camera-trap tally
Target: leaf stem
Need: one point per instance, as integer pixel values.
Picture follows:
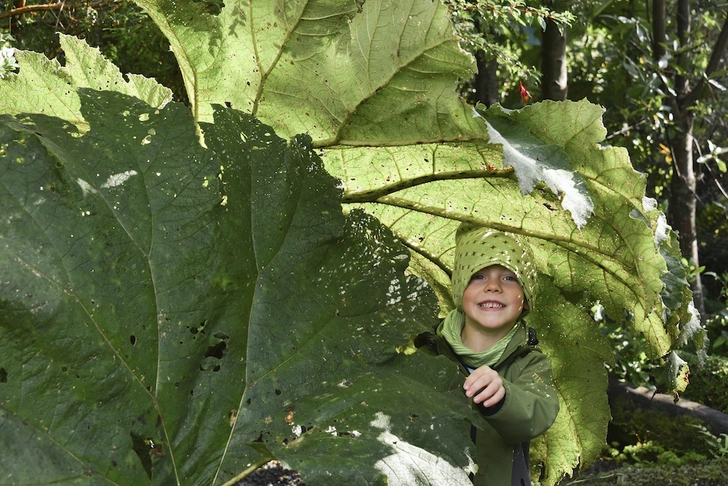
(373, 195)
(426, 254)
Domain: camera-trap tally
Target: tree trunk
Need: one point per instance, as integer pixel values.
(715, 420)
(682, 207)
(659, 33)
(485, 84)
(554, 74)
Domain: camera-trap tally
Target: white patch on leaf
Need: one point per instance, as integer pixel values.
(86, 188)
(529, 171)
(662, 230)
(118, 179)
(410, 465)
(649, 204)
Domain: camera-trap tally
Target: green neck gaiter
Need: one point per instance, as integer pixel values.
(452, 328)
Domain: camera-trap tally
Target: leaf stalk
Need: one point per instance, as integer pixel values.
(373, 195)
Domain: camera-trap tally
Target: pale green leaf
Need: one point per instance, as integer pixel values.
(44, 86)
(346, 71)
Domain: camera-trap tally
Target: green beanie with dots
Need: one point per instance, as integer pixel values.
(477, 247)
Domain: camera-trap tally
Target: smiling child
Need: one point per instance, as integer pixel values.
(494, 285)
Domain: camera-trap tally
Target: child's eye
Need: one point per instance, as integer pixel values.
(511, 278)
(477, 276)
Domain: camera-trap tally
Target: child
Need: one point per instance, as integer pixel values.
(494, 285)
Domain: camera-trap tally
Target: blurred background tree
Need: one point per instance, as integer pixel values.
(661, 81)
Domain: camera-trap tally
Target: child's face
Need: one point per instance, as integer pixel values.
(493, 301)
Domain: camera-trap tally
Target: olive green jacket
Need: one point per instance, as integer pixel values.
(528, 409)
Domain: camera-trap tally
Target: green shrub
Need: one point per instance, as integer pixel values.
(709, 383)
(633, 426)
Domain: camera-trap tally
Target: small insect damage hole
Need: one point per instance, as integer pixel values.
(132, 339)
(199, 329)
(3, 375)
(215, 351)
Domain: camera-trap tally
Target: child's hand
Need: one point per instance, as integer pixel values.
(484, 386)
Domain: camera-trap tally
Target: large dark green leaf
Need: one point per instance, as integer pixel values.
(175, 314)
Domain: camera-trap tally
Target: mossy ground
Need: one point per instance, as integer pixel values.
(647, 447)
(713, 472)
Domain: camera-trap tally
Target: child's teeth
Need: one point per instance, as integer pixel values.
(490, 304)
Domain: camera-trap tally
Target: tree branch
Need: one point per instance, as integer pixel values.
(96, 4)
(31, 8)
(374, 194)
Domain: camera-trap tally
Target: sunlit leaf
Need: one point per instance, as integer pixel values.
(44, 86)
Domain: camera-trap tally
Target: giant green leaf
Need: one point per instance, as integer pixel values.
(176, 315)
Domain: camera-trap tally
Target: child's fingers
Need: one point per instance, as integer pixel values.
(490, 395)
(477, 376)
(478, 379)
(485, 386)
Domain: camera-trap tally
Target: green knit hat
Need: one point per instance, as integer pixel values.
(477, 247)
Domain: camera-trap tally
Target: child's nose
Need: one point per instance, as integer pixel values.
(492, 285)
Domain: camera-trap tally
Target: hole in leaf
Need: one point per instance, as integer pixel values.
(217, 351)
(141, 449)
(3, 375)
(132, 339)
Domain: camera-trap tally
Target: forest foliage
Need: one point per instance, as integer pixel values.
(189, 293)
